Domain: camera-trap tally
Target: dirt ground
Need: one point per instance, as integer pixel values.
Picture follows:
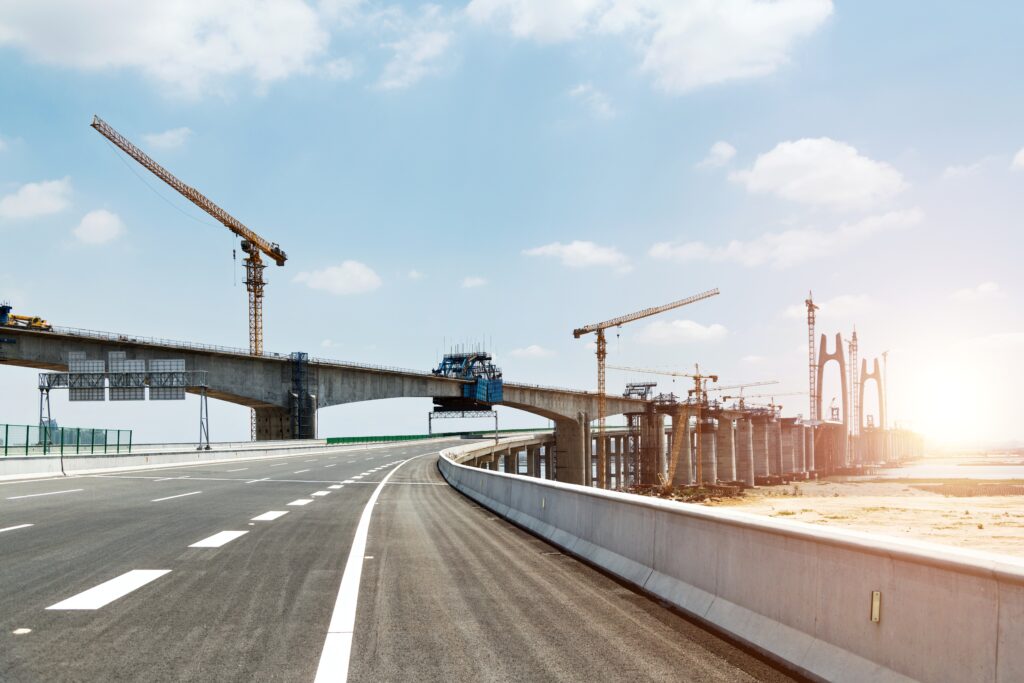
(896, 508)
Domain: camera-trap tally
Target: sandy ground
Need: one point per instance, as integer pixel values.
(895, 508)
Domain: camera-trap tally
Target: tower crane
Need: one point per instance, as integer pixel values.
(253, 246)
(699, 393)
(602, 354)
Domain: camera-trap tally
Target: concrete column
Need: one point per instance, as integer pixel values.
(651, 446)
(569, 459)
(620, 462)
(609, 469)
(273, 424)
(588, 453)
(809, 449)
(531, 461)
(774, 447)
(550, 466)
(760, 432)
(680, 443)
(745, 452)
(786, 449)
(725, 447)
(799, 449)
(708, 459)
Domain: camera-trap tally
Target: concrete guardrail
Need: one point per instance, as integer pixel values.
(801, 594)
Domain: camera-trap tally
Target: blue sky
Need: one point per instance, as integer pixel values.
(574, 160)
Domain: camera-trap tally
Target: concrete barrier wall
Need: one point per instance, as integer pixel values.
(799, 593)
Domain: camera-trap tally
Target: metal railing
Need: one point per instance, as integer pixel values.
(34, 440)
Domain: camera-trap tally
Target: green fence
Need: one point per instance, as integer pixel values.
(29, 440)
(333, 440)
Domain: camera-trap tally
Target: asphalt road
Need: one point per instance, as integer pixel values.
(192, 574)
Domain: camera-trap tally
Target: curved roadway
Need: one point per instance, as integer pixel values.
(192, 573)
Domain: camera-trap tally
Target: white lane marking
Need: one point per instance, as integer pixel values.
(300, 471)
(218, 539)
(253, 481)
(270, 516)
(163, 478)
(238, 470)
(12, 528)
(108, 591)
(337, 649)
(301, 501)
(180, 495)
(335, 486)
(321, 493)
(280, 464)
(359, 476)
(51, 493)
(21, 631)
(329, 465)
(311, 461)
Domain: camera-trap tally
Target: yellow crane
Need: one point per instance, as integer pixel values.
(602, 355)
(253, 246)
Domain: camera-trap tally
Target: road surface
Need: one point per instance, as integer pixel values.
(231, 572)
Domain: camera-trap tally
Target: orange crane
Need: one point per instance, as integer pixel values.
(602, 354)
(253, 246)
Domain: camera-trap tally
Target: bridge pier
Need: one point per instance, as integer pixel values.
(725, 445)
(759, 427)
(745, 451)
(809, 448)
(708, 458)
(774, 447)
(273, 424)
(652, 446)
(682, 445)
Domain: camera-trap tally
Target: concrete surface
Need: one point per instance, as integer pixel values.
(798, 593)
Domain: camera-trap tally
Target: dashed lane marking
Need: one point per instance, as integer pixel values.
(300, 471)
(12, 528)
(270, 516)
(218, 539)
(108, 591)
(180, 495)
(301, 501)
(320, 493)
(49, 493)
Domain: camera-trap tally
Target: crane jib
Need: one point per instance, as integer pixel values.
(193, 195)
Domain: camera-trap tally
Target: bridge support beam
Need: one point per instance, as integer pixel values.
(571, 444)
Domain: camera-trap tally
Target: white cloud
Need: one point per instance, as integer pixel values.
(1018, 161)
(839, 308)
(32, 200)
(473, 281)
(986, 290)
(720, 154)
(99, 227)
(339, 69)
(822, 171)
(582, 254)
(954, 172)
(595, 100)
(414, 275)
(169, 139)
(685, 44)
(351, 277)
(668, 332)
(414, 58)
(532, 351)
(791, 247)
(187, 45)
(547, 21)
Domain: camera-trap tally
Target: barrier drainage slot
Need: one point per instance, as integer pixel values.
(876, 606)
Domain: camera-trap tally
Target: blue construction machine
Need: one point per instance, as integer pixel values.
(477, 367)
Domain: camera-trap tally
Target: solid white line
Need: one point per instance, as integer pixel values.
(218, 539)
(51, 493)
(12, 528)
(180, 495)
(108, 591)
(270, 516)
(334, 657)
(253, 481)
(238, 470)
(301, 501)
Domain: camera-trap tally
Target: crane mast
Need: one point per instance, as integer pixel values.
(253, 246)
(602, 355)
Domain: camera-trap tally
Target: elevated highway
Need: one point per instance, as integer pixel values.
(265, 383)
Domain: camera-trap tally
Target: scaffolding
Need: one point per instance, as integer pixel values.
(303, 402)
